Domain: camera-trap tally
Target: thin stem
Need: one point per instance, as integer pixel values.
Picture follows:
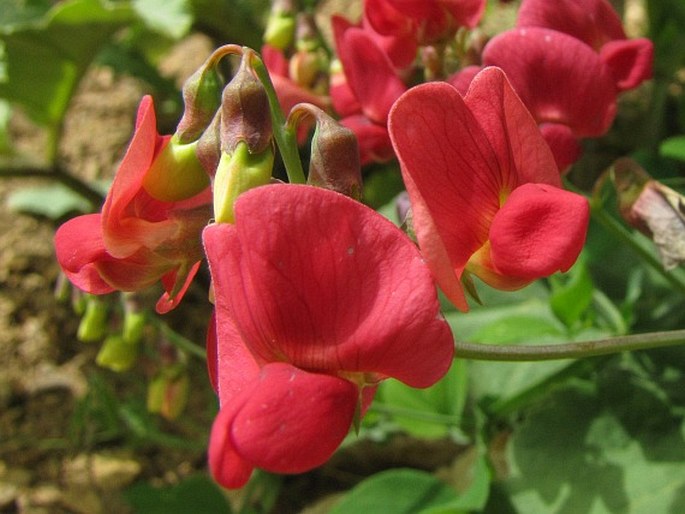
(286, 139)
(181, 342)
(491, 352)
(17, 168)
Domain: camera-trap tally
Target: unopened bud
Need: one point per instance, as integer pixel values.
(176, 173)
(93, 326)
(334, 162)
(201, 97)
(280, 26)
(116, 354)
(235, 174)
(167, 393)
(245, 113)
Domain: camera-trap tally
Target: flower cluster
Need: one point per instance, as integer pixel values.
(317, 297)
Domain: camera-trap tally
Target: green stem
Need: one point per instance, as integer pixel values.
(431, 417)
(614, 226)
(491, 352)
(286, 139)
(181, 342)
(20, 169)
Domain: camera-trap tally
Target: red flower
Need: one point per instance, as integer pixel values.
(318, 298)
(371, 87)
(137, 240)
(484, 188)
(425, 20)
(595, 23)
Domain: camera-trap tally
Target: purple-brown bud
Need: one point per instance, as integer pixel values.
(334, 162)
(245, 113)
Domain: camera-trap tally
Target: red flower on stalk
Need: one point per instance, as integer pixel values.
(137, 239)
(318, 298)
(484, 188)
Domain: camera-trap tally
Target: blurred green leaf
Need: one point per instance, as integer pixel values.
(54, 201)
(446, 398)
(400, 491)
(197, 494)
(673, 148)
(16, 12)
(44, 60)
(571, 294)
(170, 17)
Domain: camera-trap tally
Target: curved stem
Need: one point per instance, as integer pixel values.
(491, 352)
(285, 139)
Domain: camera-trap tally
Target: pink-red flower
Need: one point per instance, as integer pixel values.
(596, 23)
(484, 188)
(317, 299)
(371, 85)
(137, 239)
(425, 20)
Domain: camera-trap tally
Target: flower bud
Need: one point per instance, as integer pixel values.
(176, 173)
(245, 113)
(653, 208)
(280, 27)
(202, 97)
(93, 326)
(235, 174)
(334, 162)
(167, 393)
(117, 354)
(135, 320)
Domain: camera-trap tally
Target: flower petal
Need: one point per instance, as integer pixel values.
(369, 71)
(594, 22)
(521, 151)
(540, 230)
(331, 286)
(559, 78)
(564, 145)
(227, 467)
(293, 421)
(79, 246)
(451, 173)
(630, 61)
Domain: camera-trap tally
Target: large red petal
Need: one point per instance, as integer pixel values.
(293, 421)
(521, 151)
(559, 78)
(592, 21)
(79, 246)
(450, 169)
(331, 286)
(540, 230)
(369, 71)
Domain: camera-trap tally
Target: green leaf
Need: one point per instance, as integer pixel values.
(571, 297)
(170, 17)
(673, 147)
(400, 491)
(53, 201)
(197, 494)
(445, 398)
(44, 60)
(614, 446)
